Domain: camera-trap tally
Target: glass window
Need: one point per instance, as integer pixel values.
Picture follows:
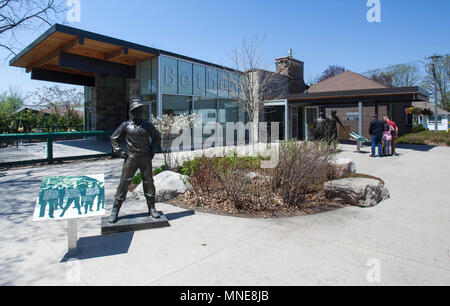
(149, 110)
(223, 84)
(228, 111)
(206, 108)
(211, 82)
(177, 105)
(185, 78)
(169, 75)
(233, 85)
(154, 79)
(145, 76)
(199, 80)
(148, 74)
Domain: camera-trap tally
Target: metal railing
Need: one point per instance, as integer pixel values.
(10, 155)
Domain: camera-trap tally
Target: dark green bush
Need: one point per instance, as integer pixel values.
(418, 128)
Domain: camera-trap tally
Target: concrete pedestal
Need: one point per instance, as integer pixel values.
(133, 223)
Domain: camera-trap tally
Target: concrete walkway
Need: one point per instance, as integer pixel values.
(406, 237)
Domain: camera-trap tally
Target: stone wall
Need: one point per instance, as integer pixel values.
(294, 70)
(109, 103)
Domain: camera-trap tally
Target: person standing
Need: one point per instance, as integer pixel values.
(101, 196)
(46, 197)
(394, 132)
(376, 131)
(61, 193)
(387, 139)
(73, 196)
(91, 193)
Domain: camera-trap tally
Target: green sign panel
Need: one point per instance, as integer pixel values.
(70, 197)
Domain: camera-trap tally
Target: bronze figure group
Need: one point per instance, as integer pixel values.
(325, 128)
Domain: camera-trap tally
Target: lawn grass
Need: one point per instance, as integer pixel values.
(441, 138)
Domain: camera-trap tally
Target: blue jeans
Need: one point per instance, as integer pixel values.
(376, 141)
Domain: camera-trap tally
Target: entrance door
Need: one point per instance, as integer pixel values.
(311, 114)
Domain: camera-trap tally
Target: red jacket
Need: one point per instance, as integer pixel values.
(392, 123)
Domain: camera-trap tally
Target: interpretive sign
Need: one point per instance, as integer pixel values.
(70, 197)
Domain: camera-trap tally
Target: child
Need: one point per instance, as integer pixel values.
(387, 139)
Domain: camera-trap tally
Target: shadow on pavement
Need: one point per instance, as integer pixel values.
(178, 215)
(415, 147)
(169, 216)
(101, 246)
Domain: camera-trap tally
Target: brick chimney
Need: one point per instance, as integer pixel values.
(294, 70)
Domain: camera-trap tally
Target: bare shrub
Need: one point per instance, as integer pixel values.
(233, 174)
(239, 184)
(302, 169)
(232, 180)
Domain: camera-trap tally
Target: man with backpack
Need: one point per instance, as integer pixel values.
(376, 131)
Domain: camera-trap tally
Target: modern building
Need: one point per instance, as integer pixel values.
(114, 71)
(356, 99)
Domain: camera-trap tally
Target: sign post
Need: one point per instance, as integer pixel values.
(71, 198)
(72, 236)
(360, 132)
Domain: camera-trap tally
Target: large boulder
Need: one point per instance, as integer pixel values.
(362, 192)
(344, 166)
(168, 185)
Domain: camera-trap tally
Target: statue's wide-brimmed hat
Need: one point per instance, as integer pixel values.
(134, 104)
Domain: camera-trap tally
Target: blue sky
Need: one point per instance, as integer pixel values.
(320, 32)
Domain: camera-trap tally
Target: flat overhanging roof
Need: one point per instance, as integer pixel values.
(396, 94)
(70, 55)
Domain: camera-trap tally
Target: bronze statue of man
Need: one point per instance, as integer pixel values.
(137, 134)
(332, 130)
(320, 126)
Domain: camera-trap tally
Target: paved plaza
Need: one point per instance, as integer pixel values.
(406, 237)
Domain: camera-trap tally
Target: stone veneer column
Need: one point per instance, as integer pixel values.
(109, 105)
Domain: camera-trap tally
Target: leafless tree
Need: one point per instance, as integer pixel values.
(255, 84)
(18, 16)
(59, 100)
(331, 71)
(442, 77)
(381, 77)
(404, 75)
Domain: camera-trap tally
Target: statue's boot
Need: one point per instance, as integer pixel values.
(115, 212)
(152, 210)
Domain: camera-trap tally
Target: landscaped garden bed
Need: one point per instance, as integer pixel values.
(239, 186)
